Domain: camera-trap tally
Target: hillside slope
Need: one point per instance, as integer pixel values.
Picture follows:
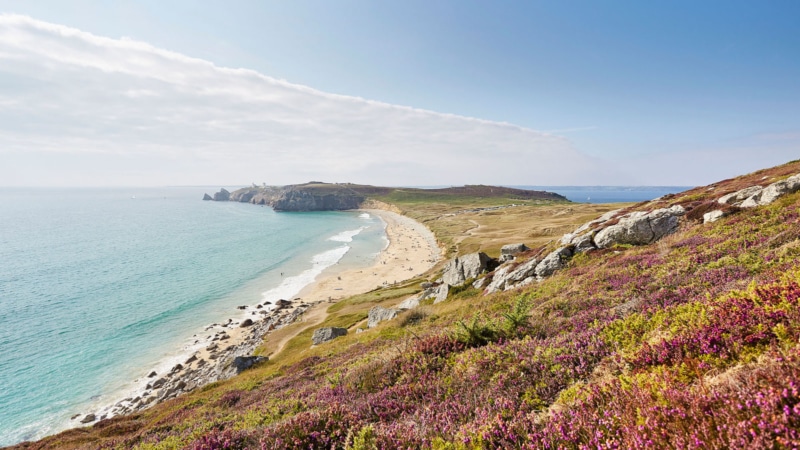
(689, 342)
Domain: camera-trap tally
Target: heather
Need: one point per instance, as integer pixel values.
(691, 342)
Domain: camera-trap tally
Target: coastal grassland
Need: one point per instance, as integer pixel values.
(465, 223)
(693, 342)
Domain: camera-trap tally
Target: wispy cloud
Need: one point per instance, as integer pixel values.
(83, 109)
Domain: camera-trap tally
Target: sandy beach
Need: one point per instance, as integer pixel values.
(411, 251)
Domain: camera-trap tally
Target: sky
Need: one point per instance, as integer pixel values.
(153, 93)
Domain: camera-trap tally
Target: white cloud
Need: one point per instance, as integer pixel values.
(83, 109)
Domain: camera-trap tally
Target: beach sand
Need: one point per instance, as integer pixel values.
(412, 250)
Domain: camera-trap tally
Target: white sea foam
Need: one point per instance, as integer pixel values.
(364, 216)
(346, 236)
(291, 286)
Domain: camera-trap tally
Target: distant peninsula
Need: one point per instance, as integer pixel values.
(319, 196)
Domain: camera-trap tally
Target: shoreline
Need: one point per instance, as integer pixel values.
(224, 349)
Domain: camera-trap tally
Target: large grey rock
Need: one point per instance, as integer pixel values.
(583, 240)
(378, 314)
(507, 275)
(583, 243)
(238, 365)
(567, 238)
(481, 283)
(553, 261)
(500, 279)
(713, 216)
(410, 303)
(640, 228)
(441, 292)
(222, 196)
(458, 270)
(509, 251)
(739, 196)
(327, 334)
(777, 189)
(751, 202)
(207, 197)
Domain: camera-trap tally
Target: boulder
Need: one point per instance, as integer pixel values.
(458, 270)
(238, 365)
(640, 228)
(553, 261)
(739, 196)
(246, 323)
(378, 314)
(500, 279)
(481, 283)
(440, 293)
(410, 303)
(327, 334)
(89, 418)
(777, 189)
(509, 251)
(207, 197)
(713, 216)
(583, 243)
(222, 196)
(567, 238)
(507, 276)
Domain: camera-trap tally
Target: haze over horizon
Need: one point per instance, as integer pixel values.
(624, 93)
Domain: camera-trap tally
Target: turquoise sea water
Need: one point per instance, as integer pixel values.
(98, 286)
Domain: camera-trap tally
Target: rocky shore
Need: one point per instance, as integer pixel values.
(227, 351)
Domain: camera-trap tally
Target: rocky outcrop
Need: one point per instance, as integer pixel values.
(238, 365)
(378, 314)
(207, 197)
(778, 189)
(713, 216)
(460, 269)
(294, 199)
(509, 251)
(640, 228)
(327, 334)
(553, 261)
(738, 197)
(410, 303)
(753, 196)
(507, 275)
(222, 196)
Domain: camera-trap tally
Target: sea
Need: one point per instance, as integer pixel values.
(100, 286)
(609, 194)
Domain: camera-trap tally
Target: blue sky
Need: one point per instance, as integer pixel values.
(629, 92)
